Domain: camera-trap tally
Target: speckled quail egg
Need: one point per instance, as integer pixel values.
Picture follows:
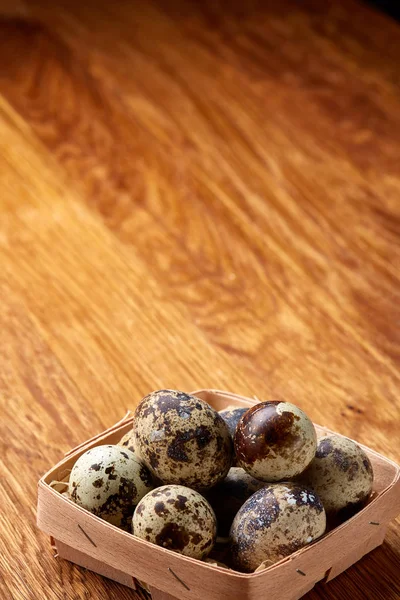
(109, 481)
(274, 522)
(229, 495)
(182, 439)
(177, 518)
(341, 474)
(127, 440)
(275, 441)
(231, 415)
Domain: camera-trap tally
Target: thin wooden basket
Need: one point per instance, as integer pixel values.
(87, 540)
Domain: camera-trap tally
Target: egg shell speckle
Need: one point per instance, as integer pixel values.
(182, 439)
(229, 495)
(109, 481)
(275, 441)
(274, 522)
(341, 474)
(177, 518)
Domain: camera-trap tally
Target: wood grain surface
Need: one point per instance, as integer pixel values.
(193, 194)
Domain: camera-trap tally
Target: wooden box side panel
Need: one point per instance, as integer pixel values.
(88, 562)
(313, 572)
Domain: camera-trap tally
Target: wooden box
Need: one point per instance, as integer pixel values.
(91, 542)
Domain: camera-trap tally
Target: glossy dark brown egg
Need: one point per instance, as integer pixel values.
(275, 441)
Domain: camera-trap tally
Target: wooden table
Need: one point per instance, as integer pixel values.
(193, 194)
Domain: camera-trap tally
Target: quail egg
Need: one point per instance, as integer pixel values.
(341, 474)
(177, 518)
(182, 439)
(231, 415)
(108, 481)
(127, 440)
(229, 495)
(274, 522)
(275, 441)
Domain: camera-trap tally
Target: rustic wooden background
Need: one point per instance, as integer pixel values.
(193, 194)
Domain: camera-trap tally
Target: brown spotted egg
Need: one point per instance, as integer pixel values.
(127, 440)
(231, 415)
(275, 441)
(109, 481)
(229, 495)
(274, 522)
(341, 474)
(182, 439)
(177, 518)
